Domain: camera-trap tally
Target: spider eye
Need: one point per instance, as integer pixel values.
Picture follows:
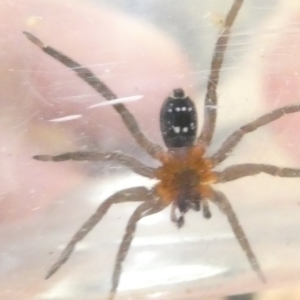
(178, 120)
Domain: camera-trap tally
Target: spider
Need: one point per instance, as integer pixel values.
(186, 174)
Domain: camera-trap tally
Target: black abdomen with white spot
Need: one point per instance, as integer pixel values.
(178, 120)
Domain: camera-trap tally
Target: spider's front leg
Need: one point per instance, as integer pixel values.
(224, 205)
(145, 209)
(211, 98)
(135, 194)
(90, 78)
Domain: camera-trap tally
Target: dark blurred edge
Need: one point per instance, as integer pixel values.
(241, 297)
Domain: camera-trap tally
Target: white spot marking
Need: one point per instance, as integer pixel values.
(177, 108)
(176, 129)
(185, 129)
(190, 109)
(183, 108)
(170, 110)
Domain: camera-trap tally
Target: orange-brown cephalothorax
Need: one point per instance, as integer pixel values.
(184, 177)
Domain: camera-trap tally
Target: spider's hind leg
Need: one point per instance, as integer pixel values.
(224, 205)
(127, 195)
(145, 209)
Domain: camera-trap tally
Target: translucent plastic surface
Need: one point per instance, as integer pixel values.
(142, 50)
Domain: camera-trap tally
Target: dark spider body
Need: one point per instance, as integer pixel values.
(178, 120)
(186, 175)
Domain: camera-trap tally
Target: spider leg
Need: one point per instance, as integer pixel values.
(239, 171)
(211, 98)
(145, 209)
(230, 143)
(90, 78)
(224, 205)
(126, 195)
(125, 160)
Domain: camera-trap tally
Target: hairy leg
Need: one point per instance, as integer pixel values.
(90, 78)
(239, 171)
(230, 143)
(211, 98)
(224, 205)
(125, 160)
(127, 195)
(143, 210)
